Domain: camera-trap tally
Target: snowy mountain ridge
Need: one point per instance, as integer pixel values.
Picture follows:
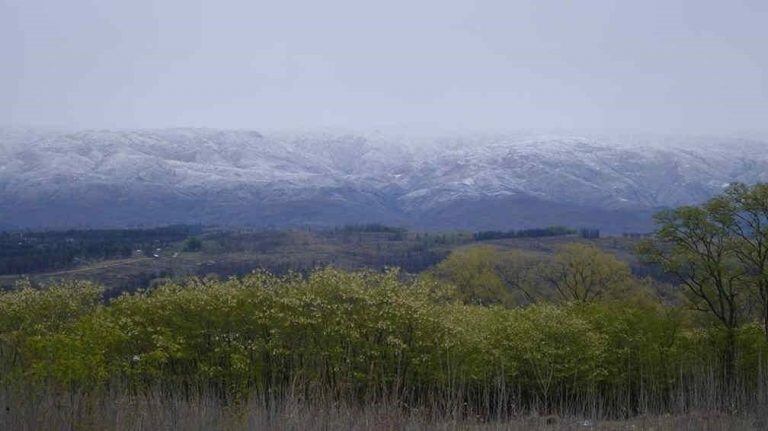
(471, 181)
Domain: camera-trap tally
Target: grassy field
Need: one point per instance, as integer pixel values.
(157, 411)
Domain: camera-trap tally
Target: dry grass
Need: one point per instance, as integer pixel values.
(153, 410)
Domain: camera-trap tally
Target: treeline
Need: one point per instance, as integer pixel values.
(349, 231)
(23, 252)
(370, 227)
(524, 233)
(362, 337)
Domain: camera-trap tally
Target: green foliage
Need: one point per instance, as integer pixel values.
(583, 272)
(357, 335)
(693, 245)
(486, 327)
(718, 252)
(743, 212)
(556, 349)
(32, 317)
(473, 271)
(31, 311)
(486, 275)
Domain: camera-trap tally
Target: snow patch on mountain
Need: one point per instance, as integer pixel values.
(103, 177)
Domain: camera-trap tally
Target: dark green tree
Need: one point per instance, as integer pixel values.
(193, 244)
(694, 244)
(743, 211)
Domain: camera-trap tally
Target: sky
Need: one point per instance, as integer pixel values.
(652, 65)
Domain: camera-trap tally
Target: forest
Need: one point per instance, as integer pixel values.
(37, 251)
(488, 336)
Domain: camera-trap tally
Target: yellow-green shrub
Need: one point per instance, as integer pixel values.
(360, 335)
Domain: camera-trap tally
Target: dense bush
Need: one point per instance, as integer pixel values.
(362, 336)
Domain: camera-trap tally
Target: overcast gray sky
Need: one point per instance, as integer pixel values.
(665, 65)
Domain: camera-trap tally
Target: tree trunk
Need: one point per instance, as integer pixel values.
(765, 321)
(729, 359)
(765, 316)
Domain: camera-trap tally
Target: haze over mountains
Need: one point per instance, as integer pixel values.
(100, 178)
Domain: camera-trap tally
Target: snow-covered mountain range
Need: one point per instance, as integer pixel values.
(52, 179)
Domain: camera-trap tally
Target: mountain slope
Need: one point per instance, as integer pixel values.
(230, 177)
